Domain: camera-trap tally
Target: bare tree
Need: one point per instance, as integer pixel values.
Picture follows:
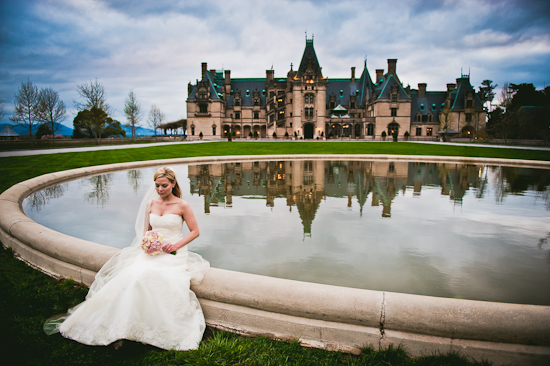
(506, 96)
(94, 95)
(2, 108)
(94, 100)
(51, 110)
(132, 108)
(156, 117)
(486, 92)
(25, 107)
(445, 121)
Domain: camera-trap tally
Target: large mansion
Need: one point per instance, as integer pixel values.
(307, 105)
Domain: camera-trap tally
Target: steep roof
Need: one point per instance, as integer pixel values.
(383, 87)
(432, 102)
(365, 87)
(309, 61)
(459, 94)
(7, 131)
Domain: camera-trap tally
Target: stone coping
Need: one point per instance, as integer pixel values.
(319, 315)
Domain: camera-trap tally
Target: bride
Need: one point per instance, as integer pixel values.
(140, 297)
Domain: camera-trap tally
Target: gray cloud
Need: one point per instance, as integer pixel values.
(156, 48)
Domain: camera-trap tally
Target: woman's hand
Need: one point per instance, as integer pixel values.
(169, 248)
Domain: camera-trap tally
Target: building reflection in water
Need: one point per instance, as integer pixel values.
(306, 183)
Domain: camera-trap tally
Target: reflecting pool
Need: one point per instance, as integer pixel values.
(441, 229)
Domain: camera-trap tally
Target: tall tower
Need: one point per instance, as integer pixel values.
(309, 96)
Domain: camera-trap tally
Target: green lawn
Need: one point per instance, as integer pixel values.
(29, 297)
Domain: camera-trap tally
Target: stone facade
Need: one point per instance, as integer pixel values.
(307, 105)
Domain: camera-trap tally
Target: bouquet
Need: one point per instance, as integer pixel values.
(152, 242)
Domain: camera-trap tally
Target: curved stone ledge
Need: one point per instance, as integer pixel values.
(323, 316)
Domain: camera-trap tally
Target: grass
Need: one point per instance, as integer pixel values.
(29, 297)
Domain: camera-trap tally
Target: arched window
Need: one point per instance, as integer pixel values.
(203, 108)
(393, 127)
(370, 129)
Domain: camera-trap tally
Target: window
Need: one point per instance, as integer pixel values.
(428, 131)
(341, 93)
(469, 103)
(263, 93)
(468, 117)
(202, 95)
(332, 105)
(193, 130)
(280, 102)
(291, 127)
(271, 118)
(203, 108)
(237, 115)
(352, 104)
(248, 93)
(281, 115)
(394, 112)
(256, 115)
(256, 102)
(370, 129)
(424, 118)
(237, 102)
(433, 107)
(394, 97)
(419, 131)
(290, 100)
(214, 130)
(421, 106)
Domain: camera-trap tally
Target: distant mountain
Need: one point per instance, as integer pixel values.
(140, 131)
(22, 130)
(66, 131)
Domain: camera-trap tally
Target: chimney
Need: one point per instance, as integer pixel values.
(422, 90)
(227, 83)
(353, 75)
(451, 87)
(204, 67)
(189, 89)
(213, 72)
(379, 74)
(269, 75)
(392, 66)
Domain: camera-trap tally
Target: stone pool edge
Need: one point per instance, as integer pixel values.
(319, 315)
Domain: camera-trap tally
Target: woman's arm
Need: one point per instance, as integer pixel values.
(192, 225)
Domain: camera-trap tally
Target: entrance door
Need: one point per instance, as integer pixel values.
(308, 131)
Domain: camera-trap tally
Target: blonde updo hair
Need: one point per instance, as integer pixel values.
(171, 176)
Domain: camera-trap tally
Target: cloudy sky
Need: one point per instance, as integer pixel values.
(155, 48)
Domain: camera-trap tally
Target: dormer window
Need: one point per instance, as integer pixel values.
(203, 95)
(469, 103)
(256, 101)
(248, 93)
(341, 93)
(433, 107)
(237, 102)
(421, 106)
(394, 97)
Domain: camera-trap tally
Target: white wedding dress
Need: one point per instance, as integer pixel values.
(148, 301)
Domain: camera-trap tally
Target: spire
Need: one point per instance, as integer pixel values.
(309, 64)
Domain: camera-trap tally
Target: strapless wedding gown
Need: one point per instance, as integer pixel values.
(149, 301)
